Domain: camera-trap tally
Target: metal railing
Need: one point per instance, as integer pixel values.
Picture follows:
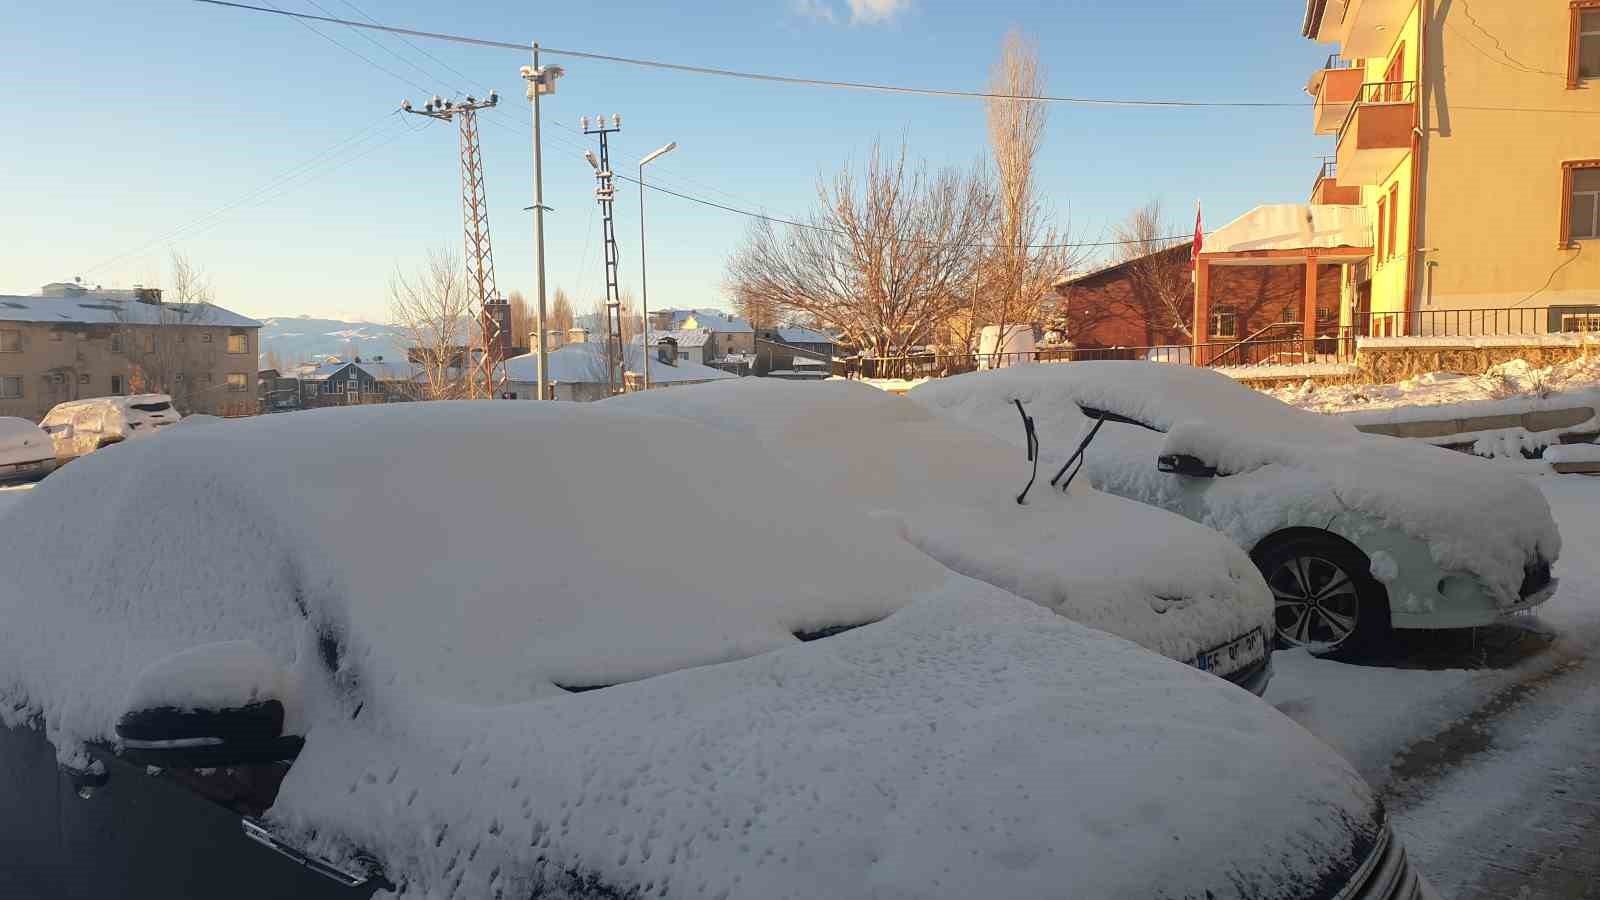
(1328, 169)
(1487, 322)
(1222, 359)
(1375, 93)
(1335, 61)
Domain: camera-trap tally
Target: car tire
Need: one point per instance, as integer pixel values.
(1326, 598)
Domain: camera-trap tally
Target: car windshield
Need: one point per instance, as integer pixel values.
(161, 406)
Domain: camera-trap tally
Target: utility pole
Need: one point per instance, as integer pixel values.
(494, 313)
(540, 81)
(605, 193)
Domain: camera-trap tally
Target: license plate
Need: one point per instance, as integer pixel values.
(1234, 655)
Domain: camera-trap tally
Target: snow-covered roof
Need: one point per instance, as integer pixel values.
(116, 308)
(714, 319)
(794, 334)
(1292, 226)
(921, 756)
(586, 364)
(686, 337)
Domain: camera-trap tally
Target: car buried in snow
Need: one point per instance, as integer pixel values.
(952, 491)
(1356, 534)
(80, 427)
(26, 452)
(561, 651)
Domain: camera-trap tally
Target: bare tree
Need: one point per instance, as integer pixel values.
(761, 312)
(1161, 294)
(524, 320)
(1024, 257)
(434, 309)
(160, 335)
(558, 316)
(885, 258)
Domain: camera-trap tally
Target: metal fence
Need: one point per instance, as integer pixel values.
(1494, 321)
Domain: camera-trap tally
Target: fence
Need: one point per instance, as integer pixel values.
(1488, 322)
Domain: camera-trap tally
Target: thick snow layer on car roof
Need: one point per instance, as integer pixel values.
(969, 745)
(1303, 468)
(1144, 574)
(484, 553)
(21, 441)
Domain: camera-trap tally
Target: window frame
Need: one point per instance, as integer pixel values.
(243, 383)
(1215, 325)
(1394, 217)
(119, 385)
(1383, 228)
(14, 378)
(1567, 241)
(16, 336)
(1574, 40)
(241, 335)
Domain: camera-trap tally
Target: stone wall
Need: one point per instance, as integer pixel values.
(1395, 362)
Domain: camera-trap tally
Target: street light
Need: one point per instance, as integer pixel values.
(541, 80)
(644, 284)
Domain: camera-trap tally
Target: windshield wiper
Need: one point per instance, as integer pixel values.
(1078, 455)
(1033, 451)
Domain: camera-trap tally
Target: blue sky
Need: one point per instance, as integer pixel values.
(131, 123)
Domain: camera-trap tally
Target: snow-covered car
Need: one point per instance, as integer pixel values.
(1356, 534)
(83, 426)
(557, 650)
(26, 452)
(1149, 576)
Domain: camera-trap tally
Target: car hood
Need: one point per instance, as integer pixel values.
(970, 744)
(1140, 573)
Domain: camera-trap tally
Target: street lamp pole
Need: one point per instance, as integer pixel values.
(644, 282)
(540, 81)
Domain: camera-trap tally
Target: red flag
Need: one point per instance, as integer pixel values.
(1199, 240)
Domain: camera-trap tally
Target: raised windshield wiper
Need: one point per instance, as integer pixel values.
(1033, 450)
(1077, 455)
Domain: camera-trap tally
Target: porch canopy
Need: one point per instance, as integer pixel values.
(1280, 234)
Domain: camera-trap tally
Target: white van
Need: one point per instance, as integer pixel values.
(83, 426)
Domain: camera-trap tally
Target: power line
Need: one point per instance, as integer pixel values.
(846, 85)
(465, 78)
(300, 17)
(380, 45)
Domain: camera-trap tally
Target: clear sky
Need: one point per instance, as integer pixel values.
(132, 123)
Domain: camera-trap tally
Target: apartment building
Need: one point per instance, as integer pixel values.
(1471, 139)
(72, 342)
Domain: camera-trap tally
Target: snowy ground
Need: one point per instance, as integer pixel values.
(11, 493)
(1483, 745)
(1512, 380)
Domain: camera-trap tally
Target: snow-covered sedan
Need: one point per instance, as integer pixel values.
(1146, 575)
(26, 452)
(1356, 534)
(557, 651)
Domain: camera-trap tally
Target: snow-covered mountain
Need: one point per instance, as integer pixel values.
(296, 339)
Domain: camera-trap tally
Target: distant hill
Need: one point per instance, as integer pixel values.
(299, 339)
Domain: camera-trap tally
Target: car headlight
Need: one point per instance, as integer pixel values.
(1461, 588)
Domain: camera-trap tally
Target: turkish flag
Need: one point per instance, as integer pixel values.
(1199, 240)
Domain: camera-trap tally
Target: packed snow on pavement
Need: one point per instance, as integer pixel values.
(919, 756)
(1518, 385)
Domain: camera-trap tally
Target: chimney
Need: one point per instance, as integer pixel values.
(555, 339)
(667, 351)
(577, 335)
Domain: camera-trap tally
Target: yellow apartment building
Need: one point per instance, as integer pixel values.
(1470, 137)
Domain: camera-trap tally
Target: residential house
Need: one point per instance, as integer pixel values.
(72, 342)
(732, 333)
(276, 391)
(1468, 138)
(696, 345)
(339, 383)
(578, 372)
(804, 338)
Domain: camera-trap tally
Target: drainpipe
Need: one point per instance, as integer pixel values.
(1414, 226)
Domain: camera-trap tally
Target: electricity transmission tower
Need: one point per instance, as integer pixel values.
(494, 313)
(605, 193)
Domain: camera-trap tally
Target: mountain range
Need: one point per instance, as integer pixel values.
(297, 339)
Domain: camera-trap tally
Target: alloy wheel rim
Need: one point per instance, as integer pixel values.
(1317, 605)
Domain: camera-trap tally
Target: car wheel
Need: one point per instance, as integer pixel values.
(1327, 600)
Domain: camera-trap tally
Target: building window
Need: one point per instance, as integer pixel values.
(58, 378)
(116, 342)
(237, 382)
(10, 387)
(1580, 183)
(83, 379)
(116, 385)
(1224, 323)
(149, 343)
(205, 337)
(1394, 218)
(1587, 323)
(10, 341)
(1383, 228)
(239, 342)
(1584, 59)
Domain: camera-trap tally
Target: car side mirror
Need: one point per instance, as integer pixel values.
(1185, 464)
(210, 706)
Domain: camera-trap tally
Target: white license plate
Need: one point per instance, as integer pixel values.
(1234, 655)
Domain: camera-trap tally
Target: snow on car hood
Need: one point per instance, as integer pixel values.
(972, 744)
(465, 558)
(1143, 574)
(1283, 466)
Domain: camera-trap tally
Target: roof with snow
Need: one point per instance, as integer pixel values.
(794, 334)
(714, 319)
(1292, 226)
(115, 307)
(586, 364)
(377, 370)
(686, 337)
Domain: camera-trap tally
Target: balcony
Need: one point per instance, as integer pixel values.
(1326, 190)
(1362, 28)
(1335, 87)
(1376, 134)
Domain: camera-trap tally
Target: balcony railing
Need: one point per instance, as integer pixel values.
(1376, 132)
(1335, 61)
(1327, 190)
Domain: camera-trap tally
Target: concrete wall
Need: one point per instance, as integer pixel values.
(74, 361)
(1492, 202)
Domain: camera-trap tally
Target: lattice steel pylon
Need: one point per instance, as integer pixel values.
(492, 312)
(606, 194)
